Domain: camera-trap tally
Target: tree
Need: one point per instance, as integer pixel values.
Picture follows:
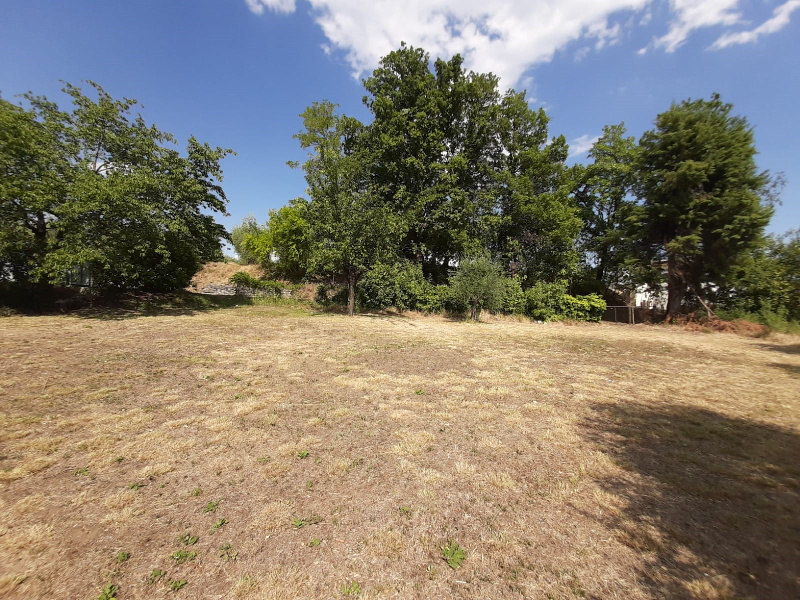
(478, 284)
(606, 201)
(704, 203)
(350, 229)
(240, 234)
(96, 188)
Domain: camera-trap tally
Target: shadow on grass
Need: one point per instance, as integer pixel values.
(791, 369)
(787, 348)
(712, 503)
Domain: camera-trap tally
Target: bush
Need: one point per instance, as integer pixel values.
(396, 285)
(247, 284)
(543, 300)
(513, 300)
(582, 308)
(477, 284)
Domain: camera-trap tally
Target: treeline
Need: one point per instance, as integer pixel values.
(451, 172)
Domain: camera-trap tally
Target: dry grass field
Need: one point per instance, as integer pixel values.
(269, 452)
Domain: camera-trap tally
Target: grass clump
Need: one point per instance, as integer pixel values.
(453, 554)
(122, 556)
(156, 575)
(212, 506)
(109, 592)
(181, 556)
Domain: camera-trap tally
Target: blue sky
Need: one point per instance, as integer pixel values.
(237, 73)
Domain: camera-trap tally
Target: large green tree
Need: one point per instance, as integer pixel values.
(97, 187)
(350, 228)
(606, 201)
(704, 201)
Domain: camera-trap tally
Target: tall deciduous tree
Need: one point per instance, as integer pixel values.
(350, 227)
(704, 202)
(605, 197)
(96, 187)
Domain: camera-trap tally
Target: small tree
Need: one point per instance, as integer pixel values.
(478, 284)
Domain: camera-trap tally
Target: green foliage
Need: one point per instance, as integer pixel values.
(582, 308)
(227, 553)
(478, 284)
(513, 300)
(176, 584)
(453, 554)
(156, 575)
(543, 300)
(705, 204)
(109, 592)
(181, 556)
(246, 283)
(240, 235)
(122, 556)
(351, 589)
(401, 285)
(97, 189)
(212, 506)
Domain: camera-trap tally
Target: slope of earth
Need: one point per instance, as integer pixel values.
(268, 452)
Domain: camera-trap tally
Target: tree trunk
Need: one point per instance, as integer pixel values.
(676, 289)
(474, 311)
(351, 293)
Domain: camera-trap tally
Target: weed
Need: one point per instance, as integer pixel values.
(318, 461)
(188, 539)
(83, 471)
(135, 486)
(298, 523)
(405, 511)
(309, 485)
(119, 459)
(212, 506)
(156, 575)
(302, 454)
(122, 556)
(419, 392)
(109, 592)
(237, 397)
(218, 524)
(352, 589)
(453, 554)
(175, 584)
(314, 542)
(197, 491)
(264, 460)
(181, 556)
(226, 552)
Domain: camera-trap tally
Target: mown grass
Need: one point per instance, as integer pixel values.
(384, 457)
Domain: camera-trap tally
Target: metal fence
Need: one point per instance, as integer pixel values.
(631, 314)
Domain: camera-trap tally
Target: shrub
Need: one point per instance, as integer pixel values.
(582, 308)
(513, 300)
(478, 284)
(395, 285)
(247, 284)
(543, 300)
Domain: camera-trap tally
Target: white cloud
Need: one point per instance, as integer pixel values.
(508, 37)
(694, 14)
(779, 20)
(581, 145)
(279, 6)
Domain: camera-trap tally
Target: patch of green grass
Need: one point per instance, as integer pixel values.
(405, 511)
(156, 575)
(119, 459)
(135, 486)
(122, 556)
(264, 460)
(218, 524)
(309, 485)
(197, 492)
(226, 552)
(175, 584)
(302, 454)
(351, 589)
(212, 506)
(188, 539)
(453, 554)
(314, 542)
(83, 471)
(109, 592)
(419, 392)
(298, 523)
(181, 556)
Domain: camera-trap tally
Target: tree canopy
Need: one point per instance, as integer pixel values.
(98, 188)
